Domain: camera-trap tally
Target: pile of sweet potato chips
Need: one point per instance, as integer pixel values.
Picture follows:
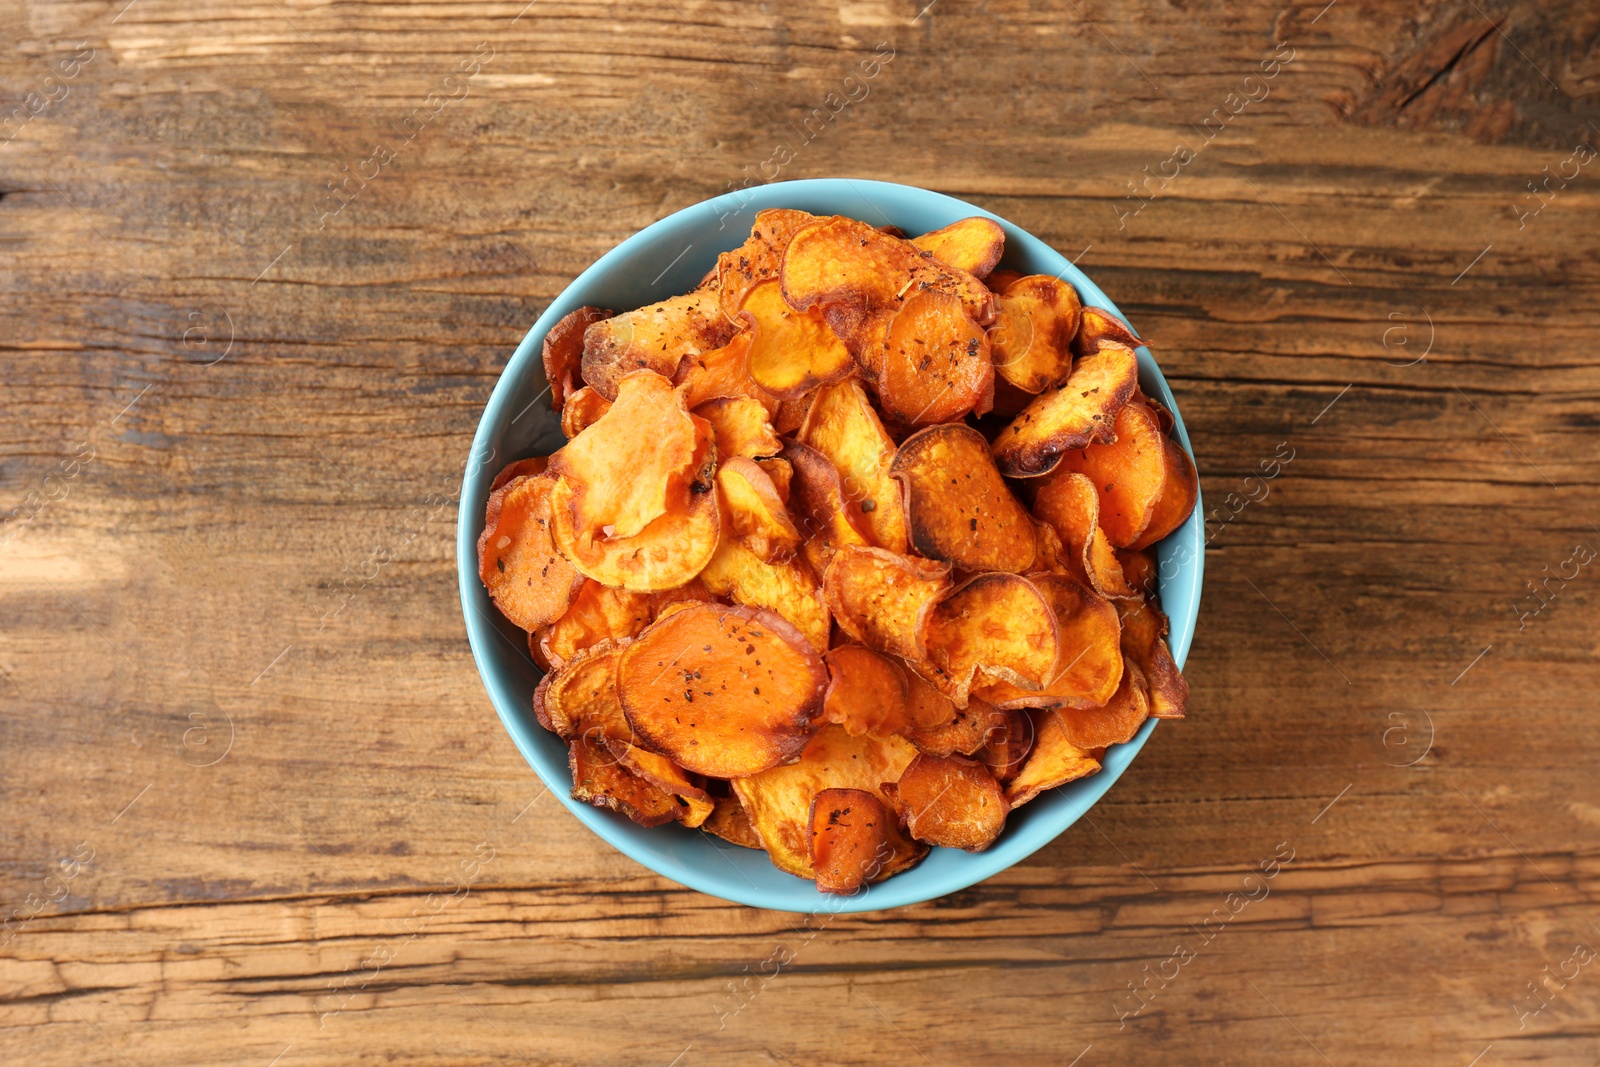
(847, 554)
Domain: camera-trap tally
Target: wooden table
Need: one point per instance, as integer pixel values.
(262, 266)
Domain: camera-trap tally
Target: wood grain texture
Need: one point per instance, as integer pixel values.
(247, 755)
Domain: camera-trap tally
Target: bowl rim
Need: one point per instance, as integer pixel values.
(906, 888)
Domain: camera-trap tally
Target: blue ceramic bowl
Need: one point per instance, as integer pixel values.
(670, 257)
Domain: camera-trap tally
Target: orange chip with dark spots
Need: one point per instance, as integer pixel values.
(958, 506)
(791, 352)
(1089, 653)
(936, 365)
(843, 427)
(656, 337)
(950, 802)
(528, 579)
(1129, 472)
(974, 245)
(1096, 326)
(1070, 503)
(1070, 415)
(562, 352)
(1031, 339)
(964, 731)
(599, 779)
(722, 691)
(883, 600)
(1115, 721)
(741, 427)
(1054, 761)
(849, 839)
(994, 626)
(1144, 631)
(1177, 498)
(867, 691)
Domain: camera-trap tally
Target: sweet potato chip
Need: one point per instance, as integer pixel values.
(722, 691)
(829, 519)
(791, 414)
(965, 732)
(519, 469)
(754, 512)
(1144, 631)
(867, 691)
(843, 427)
(582, 410)
(1070, 415)
(842, 262)
(849, 839)
(599, 613)
(786, 586)
(1054, 761)
(950, 802)
(1031, 339)
(1129, 471)
(974, 245)
(563, 352)
(720, 372)
(581, 696)
(1114, 722)
(778, 801)
(996, 625)
(599, 779)
(1139, 569)
(1070, 503)
(664, 555)
(1097, 325)
(883, 600)
(1179, 491)
(694, 802)
(518, 562)
(781, 472)
(729, 822)
(741, 427)
(656, 337)
(958, 506)
(926, 707)
(626, 469)
(759, 258)
(791, 352)
(1089, 657)
(936, 365)
(1007, 745)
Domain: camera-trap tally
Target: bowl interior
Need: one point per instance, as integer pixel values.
(662, 260)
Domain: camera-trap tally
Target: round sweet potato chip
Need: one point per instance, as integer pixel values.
(996, 625)
(1114, 722)
(1129, 472)
(1089, 657)
(1031, 339)
(582, 410)
(755, 514)
(950, 802)
(1069, 415)
(843, 427)
(936, 365)
(657, 337)
(527, 577)
(729, 822)
(1178, 494)
(785, 586)
(867, 691)
(1070, 503)
(759, 258)
(1144, 631)
(721, 371)
(598, 613)
(964, 731)
(829, 519)
(778, 801)
(974, 245)
(562, 352)
(740, 426)
(581, 695)
(1008, 744)
(883, 600)
(664, 555)
(1054, 761)
(958, 506)
(518, 469)
(849, 839)
(599, 779)
(626, 469)
(722, 691)
(1097, 326)
(791, 352)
